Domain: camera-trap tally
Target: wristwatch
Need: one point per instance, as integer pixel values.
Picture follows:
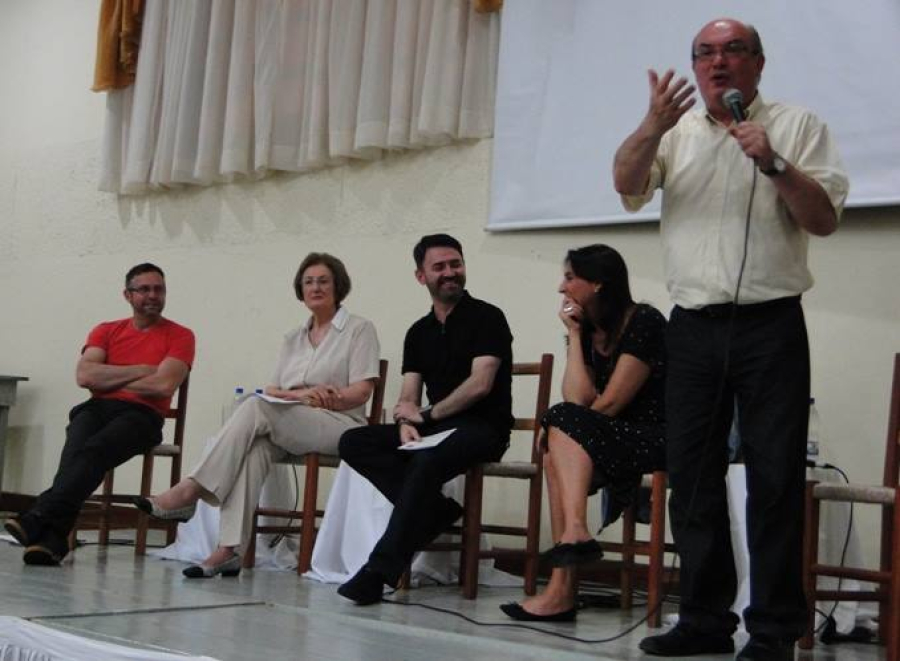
(779, 167)
(425, 412)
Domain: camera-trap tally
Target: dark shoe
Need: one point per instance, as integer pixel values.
(766, 649)
(365, 588)
(682, 640)
(147, 506)
(568, 555)
(229, 568)
(41, 556)
(516, 612)
(22, 530)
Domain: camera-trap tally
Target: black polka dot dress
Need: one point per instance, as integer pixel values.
(632, 443)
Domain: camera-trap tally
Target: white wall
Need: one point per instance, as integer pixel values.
(230, 254)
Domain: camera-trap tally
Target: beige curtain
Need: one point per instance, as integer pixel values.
(237, 88)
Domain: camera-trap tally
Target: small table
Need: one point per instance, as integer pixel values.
(7, 399)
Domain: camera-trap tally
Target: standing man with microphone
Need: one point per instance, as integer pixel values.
(745, 182)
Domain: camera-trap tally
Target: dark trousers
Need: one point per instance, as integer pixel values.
(768, 376)
(412, 480)
(102, 433)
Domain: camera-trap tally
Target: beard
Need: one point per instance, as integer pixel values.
(448, 294)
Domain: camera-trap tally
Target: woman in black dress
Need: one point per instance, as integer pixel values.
(609, 429)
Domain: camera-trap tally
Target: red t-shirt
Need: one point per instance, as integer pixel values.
(126, 345)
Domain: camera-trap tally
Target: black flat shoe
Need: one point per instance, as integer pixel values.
(577, 553)
(516, 612)
(228, 569)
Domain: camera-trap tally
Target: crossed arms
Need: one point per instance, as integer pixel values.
(154, 381)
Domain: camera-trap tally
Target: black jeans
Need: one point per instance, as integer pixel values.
(768, 375)
(102, 433)
(412, 480)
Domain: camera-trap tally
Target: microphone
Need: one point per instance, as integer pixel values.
(734, 101)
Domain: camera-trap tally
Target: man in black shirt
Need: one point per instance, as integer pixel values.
(462, 352)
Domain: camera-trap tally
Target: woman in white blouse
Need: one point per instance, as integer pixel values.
(327, 370)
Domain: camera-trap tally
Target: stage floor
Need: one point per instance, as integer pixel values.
(107, 594)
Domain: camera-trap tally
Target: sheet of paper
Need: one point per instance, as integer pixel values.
(428, 441)
(275, 400)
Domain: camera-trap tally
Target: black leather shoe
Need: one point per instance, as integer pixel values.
(766, 649)
(577, 553)
(682, 640)
(516, 612)
(365, 588)
(41, 556)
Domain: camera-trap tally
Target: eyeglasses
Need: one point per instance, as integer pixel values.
(143, 290)
(322, 281)
(733, 50)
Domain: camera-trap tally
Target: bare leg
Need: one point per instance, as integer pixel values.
(187, 492)
(573, 469)
(568, 470)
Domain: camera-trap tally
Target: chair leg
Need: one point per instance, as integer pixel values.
(533, 534)
(626, 572)
(143, 521)
(105, 509)
(471, 532)
(893, 609)
(810, 557)
(308, 522)
(657, 550)
(249, 559)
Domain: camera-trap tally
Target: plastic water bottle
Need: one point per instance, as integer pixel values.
(233, 403)
(812, 436)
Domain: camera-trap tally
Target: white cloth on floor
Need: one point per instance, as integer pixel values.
(21, 640)
(355, 518)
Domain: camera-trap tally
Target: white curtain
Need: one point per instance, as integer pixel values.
(236, 88)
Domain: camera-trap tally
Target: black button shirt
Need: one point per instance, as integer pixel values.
(443, 355)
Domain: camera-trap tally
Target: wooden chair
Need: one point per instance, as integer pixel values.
(100, 506)
(653, 548)
(529, 471)
(887, 576)
(306, 517)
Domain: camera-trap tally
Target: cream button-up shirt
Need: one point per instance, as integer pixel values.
(348, 353)
(707, 183)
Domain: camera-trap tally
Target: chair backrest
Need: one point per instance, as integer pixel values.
(892, 451)
(378, 394)
(544, 371)
(178, 413)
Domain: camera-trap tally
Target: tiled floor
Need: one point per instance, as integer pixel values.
(107, 593)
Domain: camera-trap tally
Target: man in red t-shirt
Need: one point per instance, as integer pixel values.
(132, 367)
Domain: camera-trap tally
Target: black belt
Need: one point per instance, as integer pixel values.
(717, 310)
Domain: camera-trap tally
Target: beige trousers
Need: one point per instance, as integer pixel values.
(233, 469)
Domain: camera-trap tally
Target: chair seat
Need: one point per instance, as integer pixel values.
(325, 460)
(521, 469)
(857, 493)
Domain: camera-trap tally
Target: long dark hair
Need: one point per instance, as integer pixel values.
(604, 266)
